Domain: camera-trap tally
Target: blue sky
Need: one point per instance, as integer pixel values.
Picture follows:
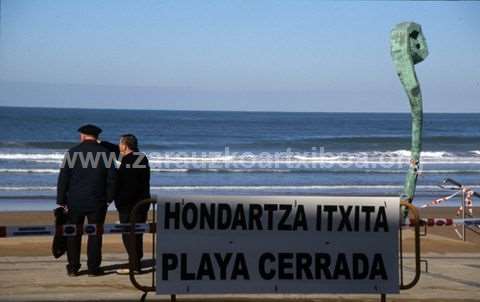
(233, 55)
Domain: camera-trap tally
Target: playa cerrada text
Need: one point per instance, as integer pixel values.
(274, 217)
(280, 266)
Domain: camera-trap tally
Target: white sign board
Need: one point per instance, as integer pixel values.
(277, 244)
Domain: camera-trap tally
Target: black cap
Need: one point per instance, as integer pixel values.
(90, 130)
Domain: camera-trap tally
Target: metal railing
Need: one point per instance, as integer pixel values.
(416, 221)
(132, 238)
(151, 288)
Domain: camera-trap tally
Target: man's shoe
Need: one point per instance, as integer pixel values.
(95, 272)
(126, 271)
(72, 272)
(123, 271)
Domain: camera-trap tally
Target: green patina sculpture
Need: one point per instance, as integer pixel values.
(408, 47)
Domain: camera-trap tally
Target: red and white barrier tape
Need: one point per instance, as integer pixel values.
(468, 199)
(440, 200)
(443, 222)
(468, 202)
(73, 230)
(140, 228)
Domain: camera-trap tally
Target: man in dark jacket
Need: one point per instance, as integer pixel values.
(132, 186)
(86, 186)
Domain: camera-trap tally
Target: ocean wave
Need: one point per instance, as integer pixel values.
(27, 188)
(38, 144)
(395, 156)
(314, 171)
(208, 158)
(300, 139)
(220, 170)
(267, 188)
(357, 140)
(264, 170)
(249, 187)
(299, 187)
(448, 171)
(294, 187)
(154, 170)
(32, 156)
(41, 171)
(399, 156)
(424, 154)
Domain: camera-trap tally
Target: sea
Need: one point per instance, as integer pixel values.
(254, 153)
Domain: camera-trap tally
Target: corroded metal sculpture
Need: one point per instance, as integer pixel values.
(408, 47)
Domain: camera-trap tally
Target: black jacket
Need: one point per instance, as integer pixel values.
(133, 178)
(87, 177)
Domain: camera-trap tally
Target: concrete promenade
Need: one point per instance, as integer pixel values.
(451, 277)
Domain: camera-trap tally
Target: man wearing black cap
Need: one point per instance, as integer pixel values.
(86, 186)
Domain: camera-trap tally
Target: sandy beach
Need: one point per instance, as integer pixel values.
(30, 273)
(438, 240)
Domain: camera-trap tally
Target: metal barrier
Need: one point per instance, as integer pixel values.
(416, 222)
(132, 234)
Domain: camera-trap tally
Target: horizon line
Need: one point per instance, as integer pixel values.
(238, 111)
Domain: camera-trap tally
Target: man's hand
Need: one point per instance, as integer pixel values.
(64, 206)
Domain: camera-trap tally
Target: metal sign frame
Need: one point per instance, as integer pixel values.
(404, 285)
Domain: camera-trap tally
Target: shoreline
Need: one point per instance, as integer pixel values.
(46, 204)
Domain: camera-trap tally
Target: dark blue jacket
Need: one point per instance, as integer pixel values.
(87, 177)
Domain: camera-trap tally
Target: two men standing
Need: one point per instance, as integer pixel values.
(88, 182)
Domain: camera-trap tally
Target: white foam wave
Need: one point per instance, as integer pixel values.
(32, 156)
(319, 158)
(46, 161)
(220, 170)
(447, 171)
(250, 170)
(209, 158)
(43, 171)
(170, 170)
(266, 188)
(293, 187)
(424, 154)
(28, 188)
(246, 187)
(396, 156)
